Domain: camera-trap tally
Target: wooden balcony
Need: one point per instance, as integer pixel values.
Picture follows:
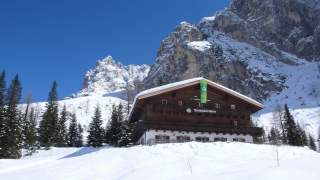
(192, 127)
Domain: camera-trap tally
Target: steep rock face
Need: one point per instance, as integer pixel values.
(288, 25)
(252, 46)
(200, 55)
(109, 76)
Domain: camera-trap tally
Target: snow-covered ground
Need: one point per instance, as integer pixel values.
(168, 161)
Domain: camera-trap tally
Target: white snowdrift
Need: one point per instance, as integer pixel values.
(169, 161)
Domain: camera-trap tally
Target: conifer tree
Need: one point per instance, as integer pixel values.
(29, 128)
(2, 111)
(96, 132)
(311, 143)
(292, 133)
(48, 124)
(274, 136)
(302, 139)
(61, 139)
(12, 138)
(79, 139)
(113, 132)
(126, 133)
(73, 132)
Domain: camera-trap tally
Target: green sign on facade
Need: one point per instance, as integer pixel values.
(203, 91)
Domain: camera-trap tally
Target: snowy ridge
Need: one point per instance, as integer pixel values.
(173, 161)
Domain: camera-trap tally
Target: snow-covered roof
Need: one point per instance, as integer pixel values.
(186, 83)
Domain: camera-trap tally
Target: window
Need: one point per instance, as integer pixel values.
(162, 138)
(220, 139)
(164, 102)
(217, 106)
(180, 102)
(183, 138)
(235, 123)
(224, 139)
(238, 140)
(232, 107)
(202, 139)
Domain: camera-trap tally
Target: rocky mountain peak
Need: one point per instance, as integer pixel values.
(110, 75)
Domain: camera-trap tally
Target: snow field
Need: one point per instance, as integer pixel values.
(167, 161)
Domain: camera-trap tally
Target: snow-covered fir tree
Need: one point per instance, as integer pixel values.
(96, 131)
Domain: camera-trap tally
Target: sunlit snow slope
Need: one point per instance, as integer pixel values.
(169, 161)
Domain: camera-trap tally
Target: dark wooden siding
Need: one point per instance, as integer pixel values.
(172, 115)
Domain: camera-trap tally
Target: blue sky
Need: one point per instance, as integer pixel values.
(44, 40)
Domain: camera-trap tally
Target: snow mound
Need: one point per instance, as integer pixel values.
(168, 161)
(200, 45)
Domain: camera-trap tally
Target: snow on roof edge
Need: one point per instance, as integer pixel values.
(180, 84)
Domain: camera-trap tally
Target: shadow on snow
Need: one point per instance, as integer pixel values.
(84, 151)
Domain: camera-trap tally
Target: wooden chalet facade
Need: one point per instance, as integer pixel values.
(174, 113)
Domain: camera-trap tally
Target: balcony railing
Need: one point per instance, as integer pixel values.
(193, 127)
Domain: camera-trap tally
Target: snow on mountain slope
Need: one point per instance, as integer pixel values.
(308, 118)
(168, 161)
(84, 107)
(300, 78)
(109, 76)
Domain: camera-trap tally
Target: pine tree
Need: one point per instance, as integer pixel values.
(2, 112)
(126, 133)
(96, 132)
(274, 136)
(292, 133)
(113, 132)
(73, 132)
(311, 143)
(12, 138)
(48, 124)
(29, 128)
(79, 139)
(302, 139)
(61, 139)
